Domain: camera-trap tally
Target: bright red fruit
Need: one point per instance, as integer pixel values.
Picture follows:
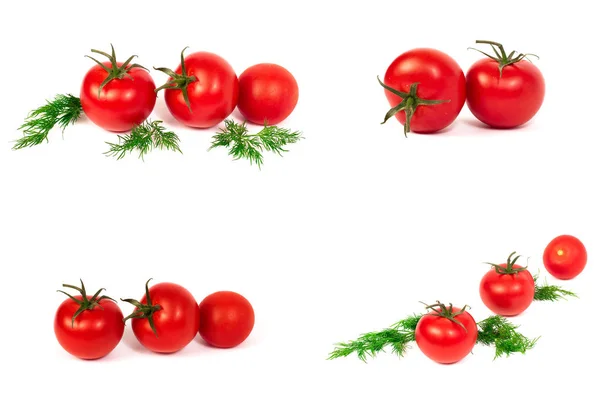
(117, 96)
(88, 327)
(446, 334)
(565, 257)
(268, 94)
(507, 289)
(226, 319)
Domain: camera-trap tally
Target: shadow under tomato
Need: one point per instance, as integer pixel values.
(246, 343)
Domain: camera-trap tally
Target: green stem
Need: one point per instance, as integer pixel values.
(86, 303)
(501, 57)
(145, 311)
(178, 81)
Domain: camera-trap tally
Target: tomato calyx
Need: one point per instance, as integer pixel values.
(178, 81)
(509, 268)
(447, 312)
(501, 57)
(115, 71)
(144, 310)
(409, 104)
(85, 303)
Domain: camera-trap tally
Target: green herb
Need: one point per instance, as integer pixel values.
(550, 292)
(62, 111)
(497, 331)
(248, 146)
(145, 137)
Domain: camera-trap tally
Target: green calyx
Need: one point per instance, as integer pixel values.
(409, 104)
(509, 268)
(115, 71)
(85, 303)
(447, 312)
(178, 81)
(144, 310)
(500, 55)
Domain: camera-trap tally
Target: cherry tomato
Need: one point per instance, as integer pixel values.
(268, 94)
(565, 257)
(426, 89)
(226, 319)
(88, 327)
(507, 289)
(504, 92)
(166, 319)
(117, 96)
(202, 91)
(446, 334)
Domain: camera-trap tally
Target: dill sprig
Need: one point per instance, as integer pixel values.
(62, 111)
(550, 292)
(143, 138)
(497, 331)
(248, 146)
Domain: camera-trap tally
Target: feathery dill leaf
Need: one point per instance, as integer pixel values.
(550, 292)
(144, 138)
(398, 337)
(62, 111)
(497, 331)
(243, 145)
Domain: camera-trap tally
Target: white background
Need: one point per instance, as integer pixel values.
(343, 235)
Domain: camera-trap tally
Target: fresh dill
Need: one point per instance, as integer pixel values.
(62, 111)
(144, 138)
(243, 145)
(550, 292)
(497, 331)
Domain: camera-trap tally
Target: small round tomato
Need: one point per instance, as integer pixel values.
(166, 319)
(226, 319)
(565, 257)
(507, 289)
(202, 91)
(446, 334)
(88, 327)
(426, 89)
(268, 94)
(117, 96)
(504, 91)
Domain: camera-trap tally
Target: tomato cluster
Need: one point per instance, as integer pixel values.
(427, 89)
(165, 320)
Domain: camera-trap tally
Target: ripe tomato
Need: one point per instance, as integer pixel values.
(565, 257)
(446, 334)
(88, 327)
(166, 319)
(426, 89)
(202, 91)
(507, 289)
(268, 94)
(504, 91)
(117, 96)
(226, 319)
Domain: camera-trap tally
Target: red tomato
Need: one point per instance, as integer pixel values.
(446, 334)
(565, 257)
(268, 94)
(226, 319)
(202, 91)
(166, 319)
(426, 89)
(88, 327)
(504, 92)
(507, 289)
(117, 96)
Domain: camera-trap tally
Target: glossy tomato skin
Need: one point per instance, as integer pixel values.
(508, 101)
(507, 294)
(565, 257)
(94, 334)
(176, 322)
(123, 103)
(213, 96)
(226, 319)
(268, 94)
(439, 77)
(444, 341)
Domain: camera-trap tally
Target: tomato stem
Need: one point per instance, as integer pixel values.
(115, 71)
(410, 102)
(85, 303)
(178, 81)
(509, 269)
(501, 57)
(144, 310)
(446, 312)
